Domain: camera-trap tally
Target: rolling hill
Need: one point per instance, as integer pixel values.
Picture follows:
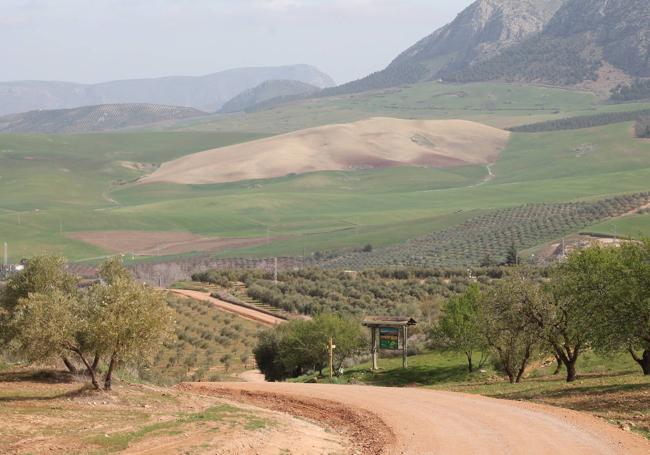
(368, 144)
(88, 119)
(206, 93)
(268, 94)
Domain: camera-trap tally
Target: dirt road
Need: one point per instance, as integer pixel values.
(413, 421)
(246, 313)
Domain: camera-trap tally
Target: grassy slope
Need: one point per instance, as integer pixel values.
(636, 227)
(609, 387)
(343, 209)
(51, 184)
(317, 211)
(492, 103)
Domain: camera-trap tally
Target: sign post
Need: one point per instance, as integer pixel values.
(390, 334)
(331, 348)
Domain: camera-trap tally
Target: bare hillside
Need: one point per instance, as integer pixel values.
(367, 144)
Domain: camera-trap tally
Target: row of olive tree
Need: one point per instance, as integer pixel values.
(599, 299)
(300, 346)
(45, 315)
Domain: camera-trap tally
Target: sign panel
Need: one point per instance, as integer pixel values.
(389, 338)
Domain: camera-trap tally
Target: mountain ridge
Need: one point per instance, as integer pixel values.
(267, 94)
(206, 93)
(89, 119)
(476, 34)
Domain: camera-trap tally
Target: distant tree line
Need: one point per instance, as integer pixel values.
(582, 121)
(637, 90)
(45, 316)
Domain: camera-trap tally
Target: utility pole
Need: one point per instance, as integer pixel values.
(331, 348)
(275, 270)
(5, 261)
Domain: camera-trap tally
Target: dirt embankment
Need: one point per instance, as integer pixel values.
(366, 432)
(144, 243)
(395, 421)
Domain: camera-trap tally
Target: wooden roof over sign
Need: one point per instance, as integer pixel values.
(388, 321)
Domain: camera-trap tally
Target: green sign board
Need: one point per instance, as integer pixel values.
(389, 338)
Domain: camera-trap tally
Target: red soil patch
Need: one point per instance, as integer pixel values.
(143, 243)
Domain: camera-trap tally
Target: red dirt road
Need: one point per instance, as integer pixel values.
(246, 313)
(434, 422)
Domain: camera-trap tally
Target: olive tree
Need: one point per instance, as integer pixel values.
(561, 320)
(130, 320)
(461, 327)
(507, 329)
(610, 288)
(42, 275)
(49, 325)
(346, 332)
(626, 319)
(302, 345)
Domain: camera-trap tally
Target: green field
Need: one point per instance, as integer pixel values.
(492, 103)
(55, 185)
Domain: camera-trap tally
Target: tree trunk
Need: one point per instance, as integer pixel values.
(569, 359)
(571, 370)
(470, 366)
(108, 379)
(643, 361)
(69, 365)
(524, 364)
(96, 362)
(93, 376)
(558, 367)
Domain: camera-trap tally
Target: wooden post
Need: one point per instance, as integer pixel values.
(373, 348)
(331, 352)
(405, 360)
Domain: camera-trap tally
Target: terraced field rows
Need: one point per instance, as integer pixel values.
(492, 234)
(204, 336)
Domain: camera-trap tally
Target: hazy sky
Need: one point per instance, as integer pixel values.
(98, 40)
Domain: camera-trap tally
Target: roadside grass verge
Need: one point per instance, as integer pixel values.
(222, 413)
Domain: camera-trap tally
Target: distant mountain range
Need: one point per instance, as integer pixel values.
(560, 42)
(268, 94)
(207, 93)
(89, 119)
